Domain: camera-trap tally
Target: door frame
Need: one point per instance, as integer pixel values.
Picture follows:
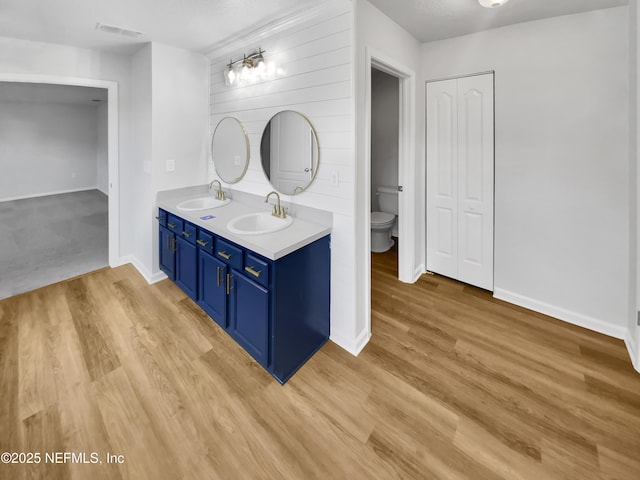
(112, 144)
(406, 174)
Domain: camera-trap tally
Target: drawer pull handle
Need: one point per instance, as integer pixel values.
(171, 225)
(202, 243)
(158, 218)
(186, 234)
(173, 245)
(225, 255)
(219, 272)
(252, 271)
(229, 278)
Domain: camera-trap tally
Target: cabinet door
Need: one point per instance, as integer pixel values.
(167, 252)
(212, 287)
(249, 315)
(186, 267)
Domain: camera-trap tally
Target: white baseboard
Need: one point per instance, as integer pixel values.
(46, 194)
(418, 272)
(633, 351)
(352, 345)
(561, 313)
(150, 278)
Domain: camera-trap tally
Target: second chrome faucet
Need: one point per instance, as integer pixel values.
(220, 195)
(278, 210)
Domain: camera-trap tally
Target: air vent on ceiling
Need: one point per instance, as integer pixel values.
(117, 30)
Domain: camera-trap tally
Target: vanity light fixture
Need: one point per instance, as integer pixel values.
(248, 69)
(492, 3)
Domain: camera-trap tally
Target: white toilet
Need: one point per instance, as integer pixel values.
(382, 222)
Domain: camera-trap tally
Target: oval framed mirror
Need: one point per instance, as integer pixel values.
(230, 150)
(290, 152)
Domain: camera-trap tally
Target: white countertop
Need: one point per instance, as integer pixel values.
(270, 245)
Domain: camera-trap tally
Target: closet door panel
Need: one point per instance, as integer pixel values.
(442, 177)
(475, 181)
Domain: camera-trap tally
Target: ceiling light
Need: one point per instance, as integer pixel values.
(492, 3)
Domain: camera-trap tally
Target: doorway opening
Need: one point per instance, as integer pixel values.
(405, 185)
(60, 205)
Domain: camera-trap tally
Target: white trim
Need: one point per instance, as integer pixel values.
(353, 346)
(406, 154)
(561, 313)
(418, 272)
(406, 178)
(633, 353)
(137, 264)
(46, 194)
(113, 143)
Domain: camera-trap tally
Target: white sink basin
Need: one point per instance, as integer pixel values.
(201, 203)
(258, 223)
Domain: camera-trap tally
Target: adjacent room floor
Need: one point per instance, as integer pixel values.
(453, 385)
(52, 238)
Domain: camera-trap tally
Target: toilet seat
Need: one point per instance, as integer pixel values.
(380, 218)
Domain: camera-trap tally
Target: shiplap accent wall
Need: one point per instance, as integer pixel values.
(314, 58)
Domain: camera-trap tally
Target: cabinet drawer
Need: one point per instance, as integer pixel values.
(229, 254)
(174, 224)
(205, 241)
(162, 218)
(256, 269)
(189, 232)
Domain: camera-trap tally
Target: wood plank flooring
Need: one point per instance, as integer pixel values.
(453, 385)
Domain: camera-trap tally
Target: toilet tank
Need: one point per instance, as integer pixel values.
(388, 199)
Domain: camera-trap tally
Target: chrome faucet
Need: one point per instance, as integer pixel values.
(278, 210)
(220, 195)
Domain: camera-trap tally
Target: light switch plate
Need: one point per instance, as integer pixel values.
(171, 165)
(335, 179)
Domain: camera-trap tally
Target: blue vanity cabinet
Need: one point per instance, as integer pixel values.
(186, 276)
(300, 307)
(166, 247)
(212, 287)
(249, 316)
(277, 310)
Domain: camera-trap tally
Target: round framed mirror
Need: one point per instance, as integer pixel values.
(290, 152)
(230, 150)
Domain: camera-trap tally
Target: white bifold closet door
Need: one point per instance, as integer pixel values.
(460, 169)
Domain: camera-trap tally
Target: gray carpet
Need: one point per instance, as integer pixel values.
(48, 239)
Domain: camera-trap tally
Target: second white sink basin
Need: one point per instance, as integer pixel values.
(258, 223)
(201, 203)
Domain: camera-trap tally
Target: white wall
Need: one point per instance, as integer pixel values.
(315, 57)
(102, 157)
(179, 127)
(140, 168)
(180, 116)
(633, 335)
(37, 58)
(379, 35)
(384, 132)
(47, 148)
(561, 159)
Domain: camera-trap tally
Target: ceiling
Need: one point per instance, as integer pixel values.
(190, 24)
(429, 20)
(48, 93)
(200, 24)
